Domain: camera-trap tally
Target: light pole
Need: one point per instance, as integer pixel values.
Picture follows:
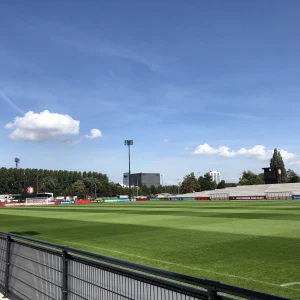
(129, 143)
(178, 185)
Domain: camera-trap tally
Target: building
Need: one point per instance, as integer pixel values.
(216, 176)
(138, 179)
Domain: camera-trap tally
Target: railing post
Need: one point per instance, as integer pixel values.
(212, 294)
(6, 287)
(65, 275)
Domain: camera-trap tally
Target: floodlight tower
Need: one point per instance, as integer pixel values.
(129, 143)
(17, 161)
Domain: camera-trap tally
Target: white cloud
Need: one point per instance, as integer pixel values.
(166, 140)
(95, 133)
(43, 126)
(258, 151)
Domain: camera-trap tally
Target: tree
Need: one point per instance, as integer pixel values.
(221, 185)
(79, 189)
(250, 178)
(207, 183)
(190, 184)
(292, 176)
(47, 184)
(277, 162)
(153, 190)
(144, 190)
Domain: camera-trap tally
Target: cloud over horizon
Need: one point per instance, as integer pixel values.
(258, 151)
(95, 133)
(43, 126)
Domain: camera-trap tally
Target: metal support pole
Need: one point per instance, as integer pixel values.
(212, 295)
(129, 172)
(8, 246)
(65, 275)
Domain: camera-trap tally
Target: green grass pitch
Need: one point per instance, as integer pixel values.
(255, 244)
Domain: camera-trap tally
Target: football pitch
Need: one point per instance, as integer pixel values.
(251, 244)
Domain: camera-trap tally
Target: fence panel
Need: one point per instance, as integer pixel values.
(2, 262)
(34, 274)
(88, 281)
(38, 270)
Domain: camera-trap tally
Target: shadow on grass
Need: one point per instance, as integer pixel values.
(25, 233)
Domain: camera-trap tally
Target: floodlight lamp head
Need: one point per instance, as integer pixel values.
(128, 142)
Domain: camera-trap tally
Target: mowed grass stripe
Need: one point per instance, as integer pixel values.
(249, 244)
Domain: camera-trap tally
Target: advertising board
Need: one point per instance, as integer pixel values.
(142, 199)
(27, 204)
(154, 199)
(83, 201)
(110, 200)
(124, 200)
(247, 197)
(67, 202)
(202, 198)
(296, 197)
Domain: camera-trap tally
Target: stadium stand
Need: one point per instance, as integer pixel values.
(251, 190)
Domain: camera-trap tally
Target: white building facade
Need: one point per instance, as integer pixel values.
(216, 176)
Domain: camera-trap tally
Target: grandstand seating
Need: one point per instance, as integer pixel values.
(251, 190)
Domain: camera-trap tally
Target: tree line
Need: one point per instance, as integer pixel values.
(72, 183)
(206, 183)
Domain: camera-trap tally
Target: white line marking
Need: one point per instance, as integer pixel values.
(288, 284)
(178, 265)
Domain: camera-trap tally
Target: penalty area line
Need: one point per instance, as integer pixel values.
(179, 265)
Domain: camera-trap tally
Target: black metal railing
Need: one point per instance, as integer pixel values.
(38, 270)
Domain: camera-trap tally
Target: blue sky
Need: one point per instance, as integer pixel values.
(186, 80)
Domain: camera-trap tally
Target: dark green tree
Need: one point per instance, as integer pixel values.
(190, 184)
(277, 162)
(250, 178)
(221, 185)
(79, 189)
(292, 176)
(207, 183)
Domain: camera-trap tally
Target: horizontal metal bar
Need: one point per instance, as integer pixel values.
(26, 283)
(142, 277)
(98, 286)
(34, 261)
(37, 247)
(16, 291)
(31, 273)
(81, 297)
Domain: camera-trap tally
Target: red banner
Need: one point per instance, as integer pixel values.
(247, 198)
(142, 199)
(202, 198)
(83, 201)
